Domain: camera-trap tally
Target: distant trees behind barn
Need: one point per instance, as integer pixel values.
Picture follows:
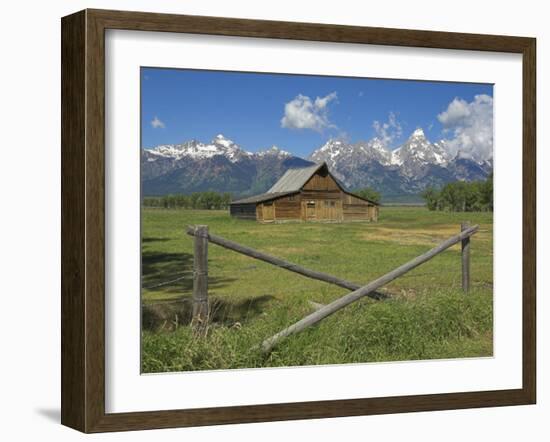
(369, 193)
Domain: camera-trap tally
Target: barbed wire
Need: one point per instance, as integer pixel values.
(160, 284)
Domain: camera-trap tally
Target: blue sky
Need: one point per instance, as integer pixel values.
(298, 113)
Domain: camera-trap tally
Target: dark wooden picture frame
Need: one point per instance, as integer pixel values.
(83, 220)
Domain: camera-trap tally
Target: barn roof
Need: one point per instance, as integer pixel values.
(262, 197)
(294, 179)
(291, 182)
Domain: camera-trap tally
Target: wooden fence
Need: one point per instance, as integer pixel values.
(200, 278)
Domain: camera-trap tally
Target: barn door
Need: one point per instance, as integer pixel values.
(331, 210)
(310, 210)
(269, 212)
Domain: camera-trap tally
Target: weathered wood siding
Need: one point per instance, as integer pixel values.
(259, 212)
(287, 208)
(321, 209)
(322, 194)
(373, 213)
(244, 211)
(356, 209)
(268, 211)
(320, 199)
(321, 182)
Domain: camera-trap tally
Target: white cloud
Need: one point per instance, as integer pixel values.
(321, 103)
(457, 110)
(389, 131)
(304, 113)
(157, 124)
(471, 125)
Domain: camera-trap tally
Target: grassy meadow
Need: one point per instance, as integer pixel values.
(427, 317)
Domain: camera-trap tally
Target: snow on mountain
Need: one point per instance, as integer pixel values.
(197, 150)
(335, 151)
(409, 168)
(224, 166)
(220, 165)
(417, 152)
(222, 141)
(272, 151)
(220, 145)
(329, 152)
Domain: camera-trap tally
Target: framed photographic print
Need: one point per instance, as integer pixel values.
(269, 220)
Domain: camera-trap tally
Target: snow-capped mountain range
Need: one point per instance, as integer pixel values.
(222, 165)
(414, 153)
(196, 150)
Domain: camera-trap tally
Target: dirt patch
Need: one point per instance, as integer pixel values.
(283, 250)
(408, 236)
(416, 236)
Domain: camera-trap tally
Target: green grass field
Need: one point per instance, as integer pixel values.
(427, 317)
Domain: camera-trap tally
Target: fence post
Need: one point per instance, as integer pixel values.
(200, 280)
(465, 259)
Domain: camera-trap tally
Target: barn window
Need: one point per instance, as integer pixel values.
(292, 198)
(330, 204)
(311, 203)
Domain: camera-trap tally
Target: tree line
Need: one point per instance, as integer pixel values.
(460, 196)
(211, 200)
(198, 200)
(369, 193)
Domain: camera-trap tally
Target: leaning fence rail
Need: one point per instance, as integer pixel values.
(200, 278)
(340, 303)
(281, 263)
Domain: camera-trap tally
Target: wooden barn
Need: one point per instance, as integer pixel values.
(306, 194)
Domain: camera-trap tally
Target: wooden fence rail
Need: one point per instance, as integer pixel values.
(340, 303)
(281, 263)
(200, 278)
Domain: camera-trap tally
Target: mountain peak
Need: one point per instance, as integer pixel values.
(418, 133)
(274, 150)
(330, 144)
(222, 140)
(339, 154)
(377, 143)
(418, 152)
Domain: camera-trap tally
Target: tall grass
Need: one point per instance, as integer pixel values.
(432, 325)
(428, 317)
